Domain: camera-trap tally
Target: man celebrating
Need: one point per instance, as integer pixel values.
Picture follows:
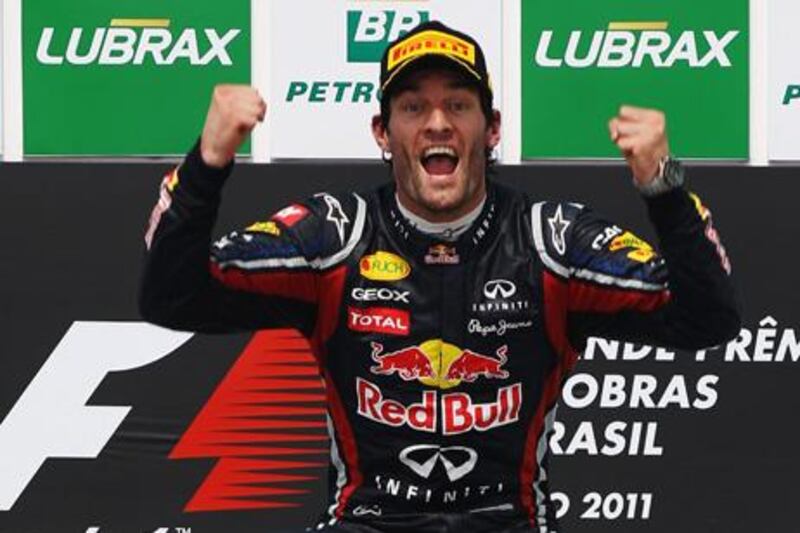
(444, 310)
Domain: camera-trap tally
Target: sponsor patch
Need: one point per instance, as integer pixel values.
(291, 215)
(439, 364)
(602, 238)
(450, 413)
(698, 204)
(378, 320)
(168, 185)
(384, 266)
(442, 254)
(499, 328)
(382, 294)
(268, 227)
(431, 42)
(641, 250)
(558, 229)
(335, 215)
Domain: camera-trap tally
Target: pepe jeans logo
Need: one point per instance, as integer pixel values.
(458, 461)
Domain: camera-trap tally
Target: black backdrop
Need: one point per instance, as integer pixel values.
(70, 251)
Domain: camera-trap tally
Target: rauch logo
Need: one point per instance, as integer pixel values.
(634, 44)
(121, 44)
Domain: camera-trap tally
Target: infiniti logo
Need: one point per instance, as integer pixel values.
(427, 455)
(501, 287)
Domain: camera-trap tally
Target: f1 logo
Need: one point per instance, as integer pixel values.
(51, 418)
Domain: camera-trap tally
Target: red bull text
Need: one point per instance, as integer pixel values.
(456, 410)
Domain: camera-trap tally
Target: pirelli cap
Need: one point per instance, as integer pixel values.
(433, 43)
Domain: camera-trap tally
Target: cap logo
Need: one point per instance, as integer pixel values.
(430, 42)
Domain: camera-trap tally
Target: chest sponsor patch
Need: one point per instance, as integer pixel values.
(499, 327)
(379, 320)
(441, 254)
(384, 266)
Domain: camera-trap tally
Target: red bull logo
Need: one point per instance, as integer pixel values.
(454, 413)
(439, 364)
(408, 363)
(441, 254)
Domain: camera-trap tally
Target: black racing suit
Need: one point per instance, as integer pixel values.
(442, 361)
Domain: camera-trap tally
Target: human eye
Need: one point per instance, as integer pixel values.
(411, 106)
(458, 105)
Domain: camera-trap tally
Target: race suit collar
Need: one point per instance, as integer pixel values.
(447, 231)
(435, 250)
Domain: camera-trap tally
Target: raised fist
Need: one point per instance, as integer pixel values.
(641, 135)
(234, 112)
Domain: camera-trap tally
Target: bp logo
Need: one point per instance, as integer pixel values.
(135, 42)
(370, 31)
(634, 44)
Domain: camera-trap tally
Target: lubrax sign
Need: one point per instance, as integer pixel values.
(623, 48)
(583, 59)
(123, 45)
(161, 60)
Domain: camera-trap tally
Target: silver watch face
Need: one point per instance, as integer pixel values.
(673, 173)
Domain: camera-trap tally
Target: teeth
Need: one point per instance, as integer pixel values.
(439, 150)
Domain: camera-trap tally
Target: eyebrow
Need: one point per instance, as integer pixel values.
(415, 86)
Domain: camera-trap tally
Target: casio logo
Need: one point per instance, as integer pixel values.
(380, 295)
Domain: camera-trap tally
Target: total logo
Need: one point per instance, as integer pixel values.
(498, 293)
(439, 364)
(633, 44)
(384, 266)
(378, 320)
(792, 93)
(451, 413)
(121, 44)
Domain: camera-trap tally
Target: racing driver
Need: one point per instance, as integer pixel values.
(444, 310)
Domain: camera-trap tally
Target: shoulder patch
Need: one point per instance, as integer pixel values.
(552, 223)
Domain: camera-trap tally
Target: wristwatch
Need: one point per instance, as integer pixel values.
(670, 176)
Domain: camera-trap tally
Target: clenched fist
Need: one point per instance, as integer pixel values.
(641, 135)
(234, 112)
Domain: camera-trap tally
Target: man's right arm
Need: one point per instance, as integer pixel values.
(185, 287)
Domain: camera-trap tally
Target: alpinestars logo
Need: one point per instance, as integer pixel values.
(121, 44)
(635, 44)
(43, 425)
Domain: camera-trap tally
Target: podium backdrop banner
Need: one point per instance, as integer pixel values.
(112, 425)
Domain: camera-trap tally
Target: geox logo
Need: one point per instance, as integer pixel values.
(635, 44)
(121, 44)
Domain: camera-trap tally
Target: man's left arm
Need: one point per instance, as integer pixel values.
(682, 297)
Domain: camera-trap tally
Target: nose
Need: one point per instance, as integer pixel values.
(438, 124)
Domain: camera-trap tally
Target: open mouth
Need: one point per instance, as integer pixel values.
(439, 160)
